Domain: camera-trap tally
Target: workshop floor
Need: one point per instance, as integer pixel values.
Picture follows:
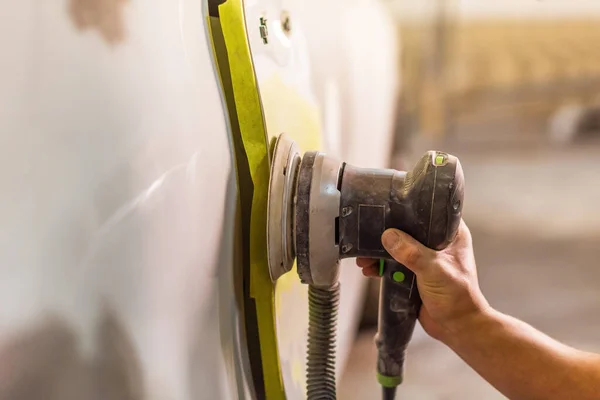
(536, 228)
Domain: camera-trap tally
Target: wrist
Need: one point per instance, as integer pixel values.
(462, 329)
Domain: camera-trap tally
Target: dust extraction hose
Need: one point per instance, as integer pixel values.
(322, 324)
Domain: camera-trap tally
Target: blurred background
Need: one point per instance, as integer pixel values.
(125, 262)
(511, 88)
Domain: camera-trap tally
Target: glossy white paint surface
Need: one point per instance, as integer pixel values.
(115, 166)
(118, 188)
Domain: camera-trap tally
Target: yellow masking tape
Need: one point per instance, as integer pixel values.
(253, 134)
(285, 109)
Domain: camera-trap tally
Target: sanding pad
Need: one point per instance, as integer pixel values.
(280, 218)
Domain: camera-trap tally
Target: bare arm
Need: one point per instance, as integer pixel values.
(523, 363)
(520, 361)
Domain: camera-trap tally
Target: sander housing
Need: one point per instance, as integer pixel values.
(322, 210)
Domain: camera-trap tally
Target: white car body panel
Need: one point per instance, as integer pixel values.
(119, 191)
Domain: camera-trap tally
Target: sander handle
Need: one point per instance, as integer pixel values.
(434, 192)
(399, 306)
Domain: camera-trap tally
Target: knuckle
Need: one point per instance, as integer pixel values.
(412, 255)
(396, 250)
(464, 234)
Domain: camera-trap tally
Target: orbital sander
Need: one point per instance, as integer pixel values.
(321, 210)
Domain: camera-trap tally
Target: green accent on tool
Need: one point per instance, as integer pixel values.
(381, 264)
(389, 381)
(398, 276)
(439, 159)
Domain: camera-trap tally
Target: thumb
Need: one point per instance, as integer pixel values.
(406, 250)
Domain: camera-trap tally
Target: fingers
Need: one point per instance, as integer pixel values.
(465, 233)
(369, 266)
(371, 271)
(406, 250)
(463, 240)
(366, 262)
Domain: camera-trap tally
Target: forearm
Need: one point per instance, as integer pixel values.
(523, 363)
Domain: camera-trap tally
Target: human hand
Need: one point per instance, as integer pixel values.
(447, 280)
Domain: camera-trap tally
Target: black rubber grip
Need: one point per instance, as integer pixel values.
(399, 306)
(427, 204)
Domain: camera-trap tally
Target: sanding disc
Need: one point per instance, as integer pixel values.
(280, 217)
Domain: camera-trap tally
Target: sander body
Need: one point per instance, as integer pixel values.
(322, 210)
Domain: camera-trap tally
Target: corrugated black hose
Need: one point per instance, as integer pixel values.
(322, 325)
